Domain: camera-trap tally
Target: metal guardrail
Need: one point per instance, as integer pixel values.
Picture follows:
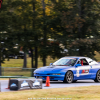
(14, 77)
(19, 67)
(17, 71)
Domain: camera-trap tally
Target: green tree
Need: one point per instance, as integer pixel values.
(78, 25)
(6, 40)
(27, 26)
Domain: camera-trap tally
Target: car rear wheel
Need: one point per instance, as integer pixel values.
(68, 77)
(97, 79)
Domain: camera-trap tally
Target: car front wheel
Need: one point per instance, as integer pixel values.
(68, 77)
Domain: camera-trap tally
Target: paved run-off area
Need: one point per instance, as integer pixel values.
(54, 84)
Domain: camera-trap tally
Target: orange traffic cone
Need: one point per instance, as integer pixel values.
(47, 81)
(8, 84)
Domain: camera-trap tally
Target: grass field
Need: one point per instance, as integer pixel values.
(15, 63)
(71, 93)
(19, 63)
(97, 56)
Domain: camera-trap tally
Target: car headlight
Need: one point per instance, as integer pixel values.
(56, 74)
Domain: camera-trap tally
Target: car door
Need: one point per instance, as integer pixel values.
(83, 71)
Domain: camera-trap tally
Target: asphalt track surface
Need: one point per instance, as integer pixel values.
(55, 84)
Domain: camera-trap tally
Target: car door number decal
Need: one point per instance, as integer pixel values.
(85, 71)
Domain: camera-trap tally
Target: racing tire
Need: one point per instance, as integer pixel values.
(68, 77)
(97, 79)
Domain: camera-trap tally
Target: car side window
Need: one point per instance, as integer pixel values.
(83, 62)
(91, 62)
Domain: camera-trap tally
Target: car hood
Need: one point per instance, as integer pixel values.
(51, 69)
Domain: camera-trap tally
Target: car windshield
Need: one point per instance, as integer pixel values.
(65, 62)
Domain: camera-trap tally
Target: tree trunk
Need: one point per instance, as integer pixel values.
(25, 61)
(36, 38)
(7, 59)
(32, 59)
(0, 54)
(44, 60)
(36, 57)
(0, 65)
(79, 28)
(44, 34)
(32, 64)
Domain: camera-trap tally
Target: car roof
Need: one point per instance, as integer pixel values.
(79, 57)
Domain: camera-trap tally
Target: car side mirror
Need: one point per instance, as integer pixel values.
(78, 65)
(50, 64)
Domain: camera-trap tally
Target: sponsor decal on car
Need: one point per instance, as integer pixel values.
(77, 73)
(85, 71)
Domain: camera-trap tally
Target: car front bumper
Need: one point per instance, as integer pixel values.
(52, 77)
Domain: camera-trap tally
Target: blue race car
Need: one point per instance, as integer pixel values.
(70, 69)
